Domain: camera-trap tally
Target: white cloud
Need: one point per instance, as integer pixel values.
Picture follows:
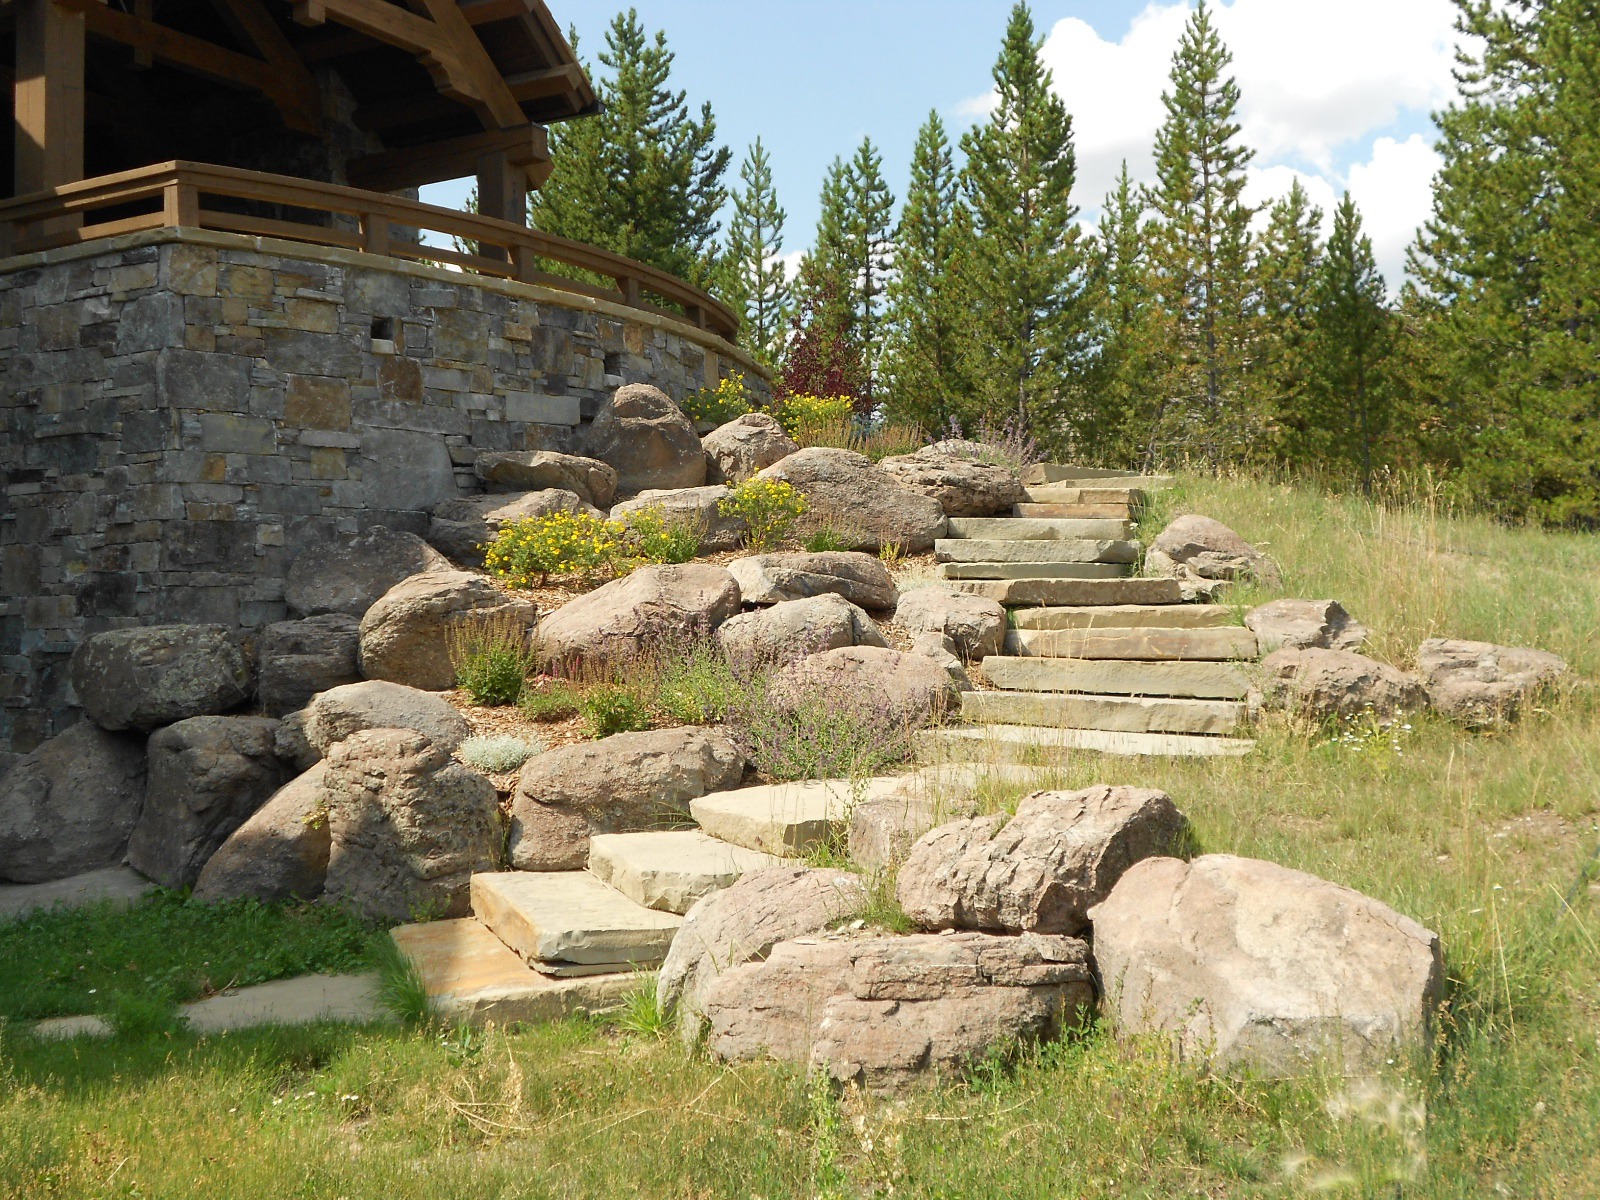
(1394, 191)
(1265, 186)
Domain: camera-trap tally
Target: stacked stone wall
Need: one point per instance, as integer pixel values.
(182, 412)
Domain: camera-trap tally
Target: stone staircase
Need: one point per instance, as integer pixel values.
(1096, 659)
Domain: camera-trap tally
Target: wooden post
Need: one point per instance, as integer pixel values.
(180, 205)
(48, 97)
(502, 194)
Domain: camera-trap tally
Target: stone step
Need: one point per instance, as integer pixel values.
(992, 744)
(1124, 616)
(471, 975)
(1221, 643)
(1032, 529)
(787, 818)
(1076, 512)
(1056, 494)
(561, 919)
(672, 869)
(1196, 680)
(1075, 592)
(1033, 570)
(1118, 714)
(1053, 550)
(1069, 475)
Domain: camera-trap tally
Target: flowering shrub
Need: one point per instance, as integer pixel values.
(719, 404)
(768, 506)
(801, 410)
(526, 553)
(658, 536)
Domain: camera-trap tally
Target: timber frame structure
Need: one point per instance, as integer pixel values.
(301, 119)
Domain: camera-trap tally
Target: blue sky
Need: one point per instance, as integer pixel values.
(1337, 92)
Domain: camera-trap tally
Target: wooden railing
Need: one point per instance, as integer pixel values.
(196, 195)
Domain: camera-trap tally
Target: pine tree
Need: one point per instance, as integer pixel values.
(927, 312)
(1200, 249)
(1287, 265)
(1027, 269)
(824, 288)
(870, 252)
(644, 177)
(755, 279)
(1118, 427)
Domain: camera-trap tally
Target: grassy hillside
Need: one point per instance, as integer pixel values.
(1486, 839)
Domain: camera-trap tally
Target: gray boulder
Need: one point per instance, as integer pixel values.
(208, 775)
(337, 713)
(1305, 625)
(68, 806)
(861, 579)
(298, 659)
(145, 678)
(697, 505)
(975, 624)
(280, 853)
(408, 827)
(793, 629)
(963, 484)
(905, 691)
(1042, 870)
(941, 648)
(406, 635)
(463, 525)
(1481, 684)
(647, 439)
(743, 446)
(1195, 548)
(348, 572)
(640, 613)
(1339, 683)
(1251, 965)
(293, 748)
(594, 482)
(860, 502)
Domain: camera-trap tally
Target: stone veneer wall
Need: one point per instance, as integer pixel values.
(182, 411)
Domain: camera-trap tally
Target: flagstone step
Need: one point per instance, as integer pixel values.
(1195, 680)
(1036, 550)
(1058, 494)
(1122, 714)
(1216, 644)
(671, 870)
(472, 976)
(787, 818)
(1068, 475)
(1074, 592)
(1124, 616)
(994, 744)
(552, 918)
(1033, 570)
(1075, 512)
(1031, 528)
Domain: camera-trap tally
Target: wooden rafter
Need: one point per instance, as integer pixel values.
(489, 87)
(526, 86)
(526, 148)
(252, 22)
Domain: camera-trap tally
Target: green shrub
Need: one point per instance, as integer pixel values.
(695, 685)
(814, 733)
(526, 553)
(492, 658)
(658, 536)
(401, 989)
(720, 404)
(801, 410)
(609, 708)
(825, 539)
(556, 701)
(768, 507)
(498, 753)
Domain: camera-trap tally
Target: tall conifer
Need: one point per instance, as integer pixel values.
(1118, 426)
(869, 235)
(1287, 264)
(755, 278)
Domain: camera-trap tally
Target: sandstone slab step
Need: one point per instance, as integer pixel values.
(1033, 570)
(1070, 475)
(472, 976)
(787, 818)
(1152, 643)
(1075, 592)
(1058, 494)
(1074, 511)
(672, 869)
(1119, 714)
(1025, 744)
(570, 917)
(1030, 528)
(1036, 550)
(1195, 680)
(1124, 616)
(120, 885)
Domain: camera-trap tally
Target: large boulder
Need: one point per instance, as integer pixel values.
(463, 526)
(406, 636)
(793, 629)
(280, 853)
(69, 805)
(337, 713)
(208, 775)
(772, 578)
(649, 441)
(963, 484)
(1253, 965)
(594, 482)
(620, 784)
(639, 613)
(1198, 548)
(1042, 870)
(298, 659)
(976, 624)
(1481, 684)
(348, 572)
(1304, 625)
(408, 827)
(146, 678)
(906, 691)
(293, 747)
(697, 505)
(1339, 683)
(742, 923)
(743, 446)
(886, 1013)
(941, 648)
(859, 502)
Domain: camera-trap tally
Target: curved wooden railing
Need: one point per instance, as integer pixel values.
(174, 194)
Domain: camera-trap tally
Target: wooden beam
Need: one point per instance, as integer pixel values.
(526, 87)
(485, 12)
(251, 22)
(500, 109)
(525, 147)
(48, 97)
(398, 27)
